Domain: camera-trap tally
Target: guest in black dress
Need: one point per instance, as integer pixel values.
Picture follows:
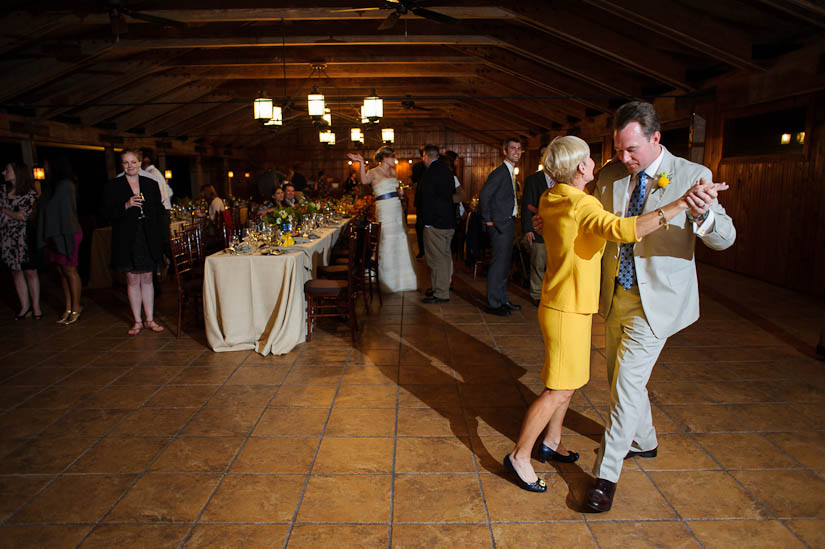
(135, 210)
(18, 200)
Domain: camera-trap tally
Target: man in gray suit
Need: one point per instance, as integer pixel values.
(649, 289)
(498, 206)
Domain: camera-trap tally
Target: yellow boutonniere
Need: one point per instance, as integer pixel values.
(663, 179)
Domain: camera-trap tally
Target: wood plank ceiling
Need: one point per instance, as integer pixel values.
(504, 68)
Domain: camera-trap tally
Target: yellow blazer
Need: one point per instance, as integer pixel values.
(576, 229)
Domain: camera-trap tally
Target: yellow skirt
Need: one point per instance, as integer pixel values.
(566, 348)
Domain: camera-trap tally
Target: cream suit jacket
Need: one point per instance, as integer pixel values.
(664, 260)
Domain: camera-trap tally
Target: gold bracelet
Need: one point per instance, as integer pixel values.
(662, 218)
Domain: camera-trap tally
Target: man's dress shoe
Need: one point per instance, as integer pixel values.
(645, 454)
(511, 306)
(433, 300)
(599, 497)
(499, 311)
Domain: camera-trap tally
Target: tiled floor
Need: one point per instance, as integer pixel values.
(113, 441)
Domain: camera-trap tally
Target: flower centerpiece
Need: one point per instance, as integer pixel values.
(283, 218)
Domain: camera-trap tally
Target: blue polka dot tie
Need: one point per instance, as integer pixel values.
(627, 270)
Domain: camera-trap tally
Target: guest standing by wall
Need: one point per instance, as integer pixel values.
(60, 233)
(534, 187)
(134, 207)
(18, 200)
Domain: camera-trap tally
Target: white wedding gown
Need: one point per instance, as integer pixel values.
(395, 267)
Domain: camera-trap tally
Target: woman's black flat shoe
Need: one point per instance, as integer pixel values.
(538, 486)
(545, 453)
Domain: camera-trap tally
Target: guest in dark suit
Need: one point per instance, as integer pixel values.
(134, 207)
(534, 187)
(437, 189)
(297, 179)
(497, 203)
(417, 172)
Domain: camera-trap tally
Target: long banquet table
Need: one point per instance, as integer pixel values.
(257, 301)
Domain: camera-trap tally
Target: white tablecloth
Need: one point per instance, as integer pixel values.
(257, 301)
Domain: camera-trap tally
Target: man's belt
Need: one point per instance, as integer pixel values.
(386, 196)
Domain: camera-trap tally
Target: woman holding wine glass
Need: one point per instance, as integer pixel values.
(134, 207)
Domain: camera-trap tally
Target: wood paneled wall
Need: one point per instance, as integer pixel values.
(778, 207)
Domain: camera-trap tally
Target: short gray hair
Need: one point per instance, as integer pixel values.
(563, 156)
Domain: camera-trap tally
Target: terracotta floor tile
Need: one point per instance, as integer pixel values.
(311, 396)
(513, 536)
(60, 397)
(677, 452)
(431, 422)
(93, 376)
(346, 498)
(355, 455)
(208, 358)
(254, 359)
(223, 422)
(162, 497)
(292, 421)
(258, 375)
(744, 533)
(22, 423)
(433, 455)
(636, 497)
(181, 396)
(276, 455)
(148, 375)
(255, 498)
(197, 455)
(806, 447)
(154, 421)
(783, 390)
(15, 491)
(812, 532)
(199, 375)
(230, 396)
(702, 418)
(678, 392)
(119, 396)
(44, 456)
(425, 373)
(312, 536)
(506, 421)
(43, 376)
(361, 422)
(15, 537)
(744, 450)
(788, 494)
(75, 498)
(769, 417)
(238, 535)
(813, 413)
(428, 396)
(314, 375)
(366, 396)
(643, 534)
(370, 375)
(437, 498)
(120, 455)
(733, 391)
(507, 502)
(440, 535)
(707, 494)
(374, 357)
(85, 423)
(160, 536)
(325, 357)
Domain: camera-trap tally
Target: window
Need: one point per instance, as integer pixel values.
(772, 133)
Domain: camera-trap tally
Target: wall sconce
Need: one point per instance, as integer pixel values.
(39, 174)
(410, 160)
(373, 107)
(349, 162)
(785, 139)
(388, 135)
(167, 174)
(800, 138)
(230, 174)
(246, 175)
(396, 161)
(315, 102)
(262, 107)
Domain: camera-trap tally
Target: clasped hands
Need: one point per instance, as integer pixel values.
(701, 195)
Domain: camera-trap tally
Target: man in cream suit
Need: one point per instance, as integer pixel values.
(649, 289)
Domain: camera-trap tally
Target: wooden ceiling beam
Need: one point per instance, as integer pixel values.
(519, 87)
(377, 40)
(168, 104)
(675, 22)
(187, 112)
(803, 10)
(145, 91)
(584, 31)
(377, 70)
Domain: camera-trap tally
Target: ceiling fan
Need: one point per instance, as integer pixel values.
(119, 10)
(409, 104)
(403, 7)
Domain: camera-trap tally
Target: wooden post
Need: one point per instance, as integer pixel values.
(111, 161)
(27, 153)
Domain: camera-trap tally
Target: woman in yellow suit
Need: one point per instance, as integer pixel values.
(576, 228)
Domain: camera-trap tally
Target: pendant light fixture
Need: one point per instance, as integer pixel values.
(388, 135)
(315, 103)
(262, 107)
(356, 135)
(373, 107)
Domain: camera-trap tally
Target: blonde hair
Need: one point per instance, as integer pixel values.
(382, 153)
(563, 156)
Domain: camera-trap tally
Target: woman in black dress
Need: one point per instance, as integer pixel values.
(135, 210)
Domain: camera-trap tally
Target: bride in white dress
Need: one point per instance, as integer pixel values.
(395, 267)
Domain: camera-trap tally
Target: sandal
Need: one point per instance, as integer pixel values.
(154, 326)
(72, 318)
(135, 330)
(64, 317)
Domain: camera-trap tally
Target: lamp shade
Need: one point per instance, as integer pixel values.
(364, 119)
(327, 137)
(327, 117)
(387, 135)
(373, 107)
(262, 107)
(277, 118)
(315, 102)
(356, 136)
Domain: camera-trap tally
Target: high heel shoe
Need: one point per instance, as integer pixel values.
(545, 453)
(73, 316)
(538, 486)
(64, 316)
(24, 315)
